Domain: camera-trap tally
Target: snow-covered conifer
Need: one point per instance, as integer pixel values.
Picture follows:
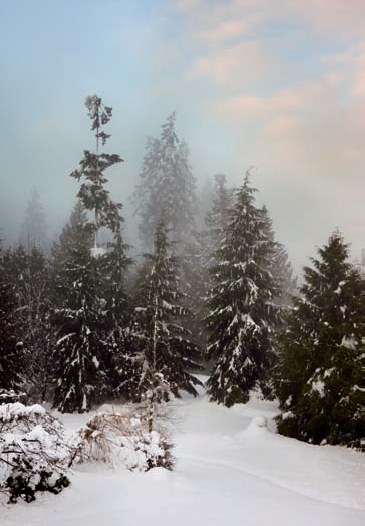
(218, 216)
(33, 230)
(90, 313)
(319, 370)
(242, 313)
(78, 369)
(73, 233)
(92, 193)
(167, 187)
(166, 353)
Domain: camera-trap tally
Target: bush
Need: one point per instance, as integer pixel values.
(121, 441)
(33, 452)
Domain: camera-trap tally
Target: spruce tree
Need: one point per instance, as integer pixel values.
(117, 328)
(167, 187)
(33, 230)
(242, 314)
(72, 235)
(319, 369)
(280, 267)
(79, 374)
(199, 253)
(166, 353)
(217, 217)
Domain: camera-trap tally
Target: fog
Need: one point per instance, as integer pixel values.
(271, 84)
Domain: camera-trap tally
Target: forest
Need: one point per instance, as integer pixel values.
(84, 322)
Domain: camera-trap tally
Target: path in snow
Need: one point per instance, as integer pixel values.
(228, 471)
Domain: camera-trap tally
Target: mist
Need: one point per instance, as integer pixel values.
(251, 87)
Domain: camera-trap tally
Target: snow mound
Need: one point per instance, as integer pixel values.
(259, 421)
(257, 427)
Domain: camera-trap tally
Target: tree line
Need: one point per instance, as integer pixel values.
(214, 291)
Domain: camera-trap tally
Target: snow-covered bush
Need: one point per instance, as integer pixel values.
(33, 452)
(121, 441)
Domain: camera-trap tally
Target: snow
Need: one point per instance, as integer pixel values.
(318, 386)
(350, 343)
(97, 252)
(231, 468)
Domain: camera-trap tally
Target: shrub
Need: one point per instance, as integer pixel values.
(33, 452)
(121, 441)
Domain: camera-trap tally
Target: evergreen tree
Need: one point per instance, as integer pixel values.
(242, 312)
(204, 202)
(282, 270)
(72, 235)
(167, 187)
(280, 267)
(91, 285)
(199, 253)
(217, 217)
(166, 352)
(117, 358)
(78, 352)
(92, 193)
(319, 370)
(33, 229)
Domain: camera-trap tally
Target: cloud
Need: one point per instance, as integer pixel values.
(227, 30)
(339, 17)
(336, 17)
(283, 103)
(231, 65)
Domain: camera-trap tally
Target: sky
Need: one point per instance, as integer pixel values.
(274, 84)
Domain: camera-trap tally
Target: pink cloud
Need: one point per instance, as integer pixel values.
(359, 88)
(346, 18)
(231, 64)
(283, 101)
(339, 17)
(226, 30)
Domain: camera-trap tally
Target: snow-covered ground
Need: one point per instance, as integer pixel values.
(231, 469)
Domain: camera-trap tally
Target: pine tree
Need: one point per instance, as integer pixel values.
(117, 330)
(167, 187)
(166, 352)
(72, 235)
(199, 253)
(242, 312)
(92, 194)
(33, 229)
(319, 370)
(217, 217)
(91, 304)
(282, 270)
(280, 267)
(78, 368)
